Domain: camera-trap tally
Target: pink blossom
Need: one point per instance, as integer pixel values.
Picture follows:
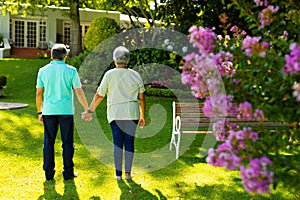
(292, 61)
(219, 129)
(220, 105)
(253, 136)
(266, 15)
(223, 157)
(236, 138)
(202, 38)
(252, 45)
(258, 115)
(234, 28)
(296, 93)
(284, 35)
(224, 63)
(203, 72)
(220, 37)
(245, 111)
(261, 3)
(257, 178)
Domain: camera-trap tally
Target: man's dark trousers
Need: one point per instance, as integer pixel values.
(51, 125)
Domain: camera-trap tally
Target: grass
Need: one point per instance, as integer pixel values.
(155, 177)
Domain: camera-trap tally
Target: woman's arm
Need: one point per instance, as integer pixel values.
(95, 102)
(142, 121)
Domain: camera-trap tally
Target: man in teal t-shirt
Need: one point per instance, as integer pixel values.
(55, 107)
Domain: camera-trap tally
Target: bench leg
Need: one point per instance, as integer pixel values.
(177, 146)
(172, 142)
(176, 143)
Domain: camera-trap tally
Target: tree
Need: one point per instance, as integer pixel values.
(180, 15)
(75, 44)
(135, 8)
(207, 13)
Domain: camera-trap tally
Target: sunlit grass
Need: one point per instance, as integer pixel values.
(22, 177)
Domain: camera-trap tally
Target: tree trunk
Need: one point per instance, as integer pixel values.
(75, 43)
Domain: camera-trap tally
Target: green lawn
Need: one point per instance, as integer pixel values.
(21, 139)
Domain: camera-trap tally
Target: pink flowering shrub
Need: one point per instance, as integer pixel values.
(252, 76)
(257, 177)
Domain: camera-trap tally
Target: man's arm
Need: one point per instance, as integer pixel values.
(142, 100)
(81, 98)
(39, 102)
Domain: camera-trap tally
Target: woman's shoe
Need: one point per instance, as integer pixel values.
(127, 176)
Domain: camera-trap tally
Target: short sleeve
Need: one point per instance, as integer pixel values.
(141, 85)
(39, 82)
(76, 81)
(103, 87)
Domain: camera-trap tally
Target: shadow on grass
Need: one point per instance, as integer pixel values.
(132, 190)
(70, 191)
(195, 154)
(22, 132)
(216, 192)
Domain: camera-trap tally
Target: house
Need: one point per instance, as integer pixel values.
(53, 26)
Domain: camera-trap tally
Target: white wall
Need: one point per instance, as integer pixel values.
(4, 26)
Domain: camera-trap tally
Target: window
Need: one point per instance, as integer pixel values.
(67, 33)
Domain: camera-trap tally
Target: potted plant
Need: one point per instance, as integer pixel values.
(3, 81)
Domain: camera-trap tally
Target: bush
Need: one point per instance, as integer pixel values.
(43, 55)
(77, 60)
(260, 71)
(100, 29)
(3, 81)
(166, 92)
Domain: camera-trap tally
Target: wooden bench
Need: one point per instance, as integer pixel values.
(188, 118)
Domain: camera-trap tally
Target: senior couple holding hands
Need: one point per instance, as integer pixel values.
(124, 90)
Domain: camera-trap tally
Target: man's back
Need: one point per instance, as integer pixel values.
(58, 79)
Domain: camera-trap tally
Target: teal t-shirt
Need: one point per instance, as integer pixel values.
(58, 80)
(121, 86)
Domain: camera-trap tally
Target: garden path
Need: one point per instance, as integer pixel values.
(12, 106)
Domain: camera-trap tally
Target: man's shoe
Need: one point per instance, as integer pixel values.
(75, 174)
(49, 175)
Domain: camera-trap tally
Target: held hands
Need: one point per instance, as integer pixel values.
(87, 116)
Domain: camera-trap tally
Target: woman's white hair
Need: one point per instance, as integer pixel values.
(121, 55)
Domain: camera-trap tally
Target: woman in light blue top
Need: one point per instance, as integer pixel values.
(124, 89)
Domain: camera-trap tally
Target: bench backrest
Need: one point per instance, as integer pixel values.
(192, 117)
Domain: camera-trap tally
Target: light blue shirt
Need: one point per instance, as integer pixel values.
(58, 80)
